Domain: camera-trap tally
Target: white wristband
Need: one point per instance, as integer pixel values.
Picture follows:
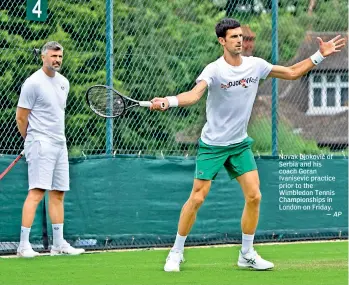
(317, 57)
(172, 101)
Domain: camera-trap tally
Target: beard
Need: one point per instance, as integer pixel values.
(53, 68)
(56, 68)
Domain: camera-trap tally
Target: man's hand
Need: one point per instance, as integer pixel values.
(157, 104)
(333, 46)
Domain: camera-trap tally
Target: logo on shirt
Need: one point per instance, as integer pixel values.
(62, 87)
(244, 82)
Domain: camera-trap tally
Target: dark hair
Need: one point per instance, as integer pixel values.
(224, 25)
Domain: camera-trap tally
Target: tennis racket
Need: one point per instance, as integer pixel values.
(110, 103)
(13, 163)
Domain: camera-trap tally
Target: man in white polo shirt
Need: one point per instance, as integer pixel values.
(232, 82)
(40, 120)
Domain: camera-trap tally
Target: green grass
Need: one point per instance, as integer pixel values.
(307, 263)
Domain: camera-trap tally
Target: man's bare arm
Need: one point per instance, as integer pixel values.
(184, 99)
(193, 96)
(22, 115)
(299, 69)
(292, 72)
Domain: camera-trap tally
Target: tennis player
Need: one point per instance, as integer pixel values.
(40, 120)
(232, 82)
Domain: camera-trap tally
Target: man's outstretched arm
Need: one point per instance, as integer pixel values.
(299, 69)
(184, 99)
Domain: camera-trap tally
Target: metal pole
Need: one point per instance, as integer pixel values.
(274, 97)
(109, 69)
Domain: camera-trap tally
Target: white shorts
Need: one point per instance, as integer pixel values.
(48, 166)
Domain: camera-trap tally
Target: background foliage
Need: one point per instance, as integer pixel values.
(160, 47)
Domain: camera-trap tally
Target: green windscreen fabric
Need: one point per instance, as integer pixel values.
(130, 201)
(13, 191)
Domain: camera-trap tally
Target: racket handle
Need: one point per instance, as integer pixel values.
(145, 103)
(148, 104)
(11, 165)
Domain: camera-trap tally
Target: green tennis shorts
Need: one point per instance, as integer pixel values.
(236, 158)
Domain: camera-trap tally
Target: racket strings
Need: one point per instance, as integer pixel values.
(106, 102)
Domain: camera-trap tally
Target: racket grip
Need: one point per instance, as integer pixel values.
(148, 104)
(145, 103)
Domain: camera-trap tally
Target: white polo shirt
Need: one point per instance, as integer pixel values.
(231, 94)
(46, 97)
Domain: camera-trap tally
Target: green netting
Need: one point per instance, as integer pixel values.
(159, 48)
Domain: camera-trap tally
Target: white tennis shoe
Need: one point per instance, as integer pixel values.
(173, 261)
(66, 248)
(26, 251)
(253, 260)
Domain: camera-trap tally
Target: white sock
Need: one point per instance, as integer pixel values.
(57, 230)
(25, 236)
(247, 242)
(179, 242)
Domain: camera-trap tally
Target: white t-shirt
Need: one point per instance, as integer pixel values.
(46, 97)
(231, 94)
